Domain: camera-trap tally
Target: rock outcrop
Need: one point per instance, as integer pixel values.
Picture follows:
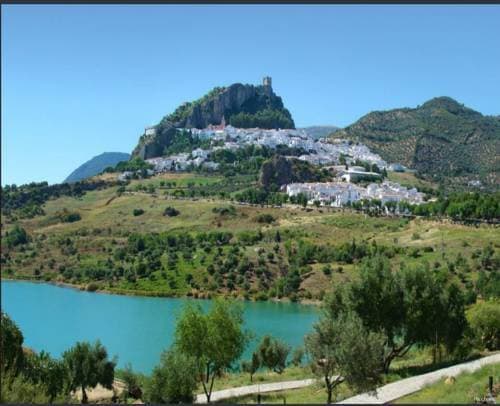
(281, 170)
(238, 104)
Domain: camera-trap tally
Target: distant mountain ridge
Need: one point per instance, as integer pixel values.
(243, 106)
(442, 139)
(320, 131)
(96, 165)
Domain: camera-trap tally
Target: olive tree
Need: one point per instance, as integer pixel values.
(273, 353)
(174, 380)
(252, 366)
(297, 356)
(11, 345)
(16, 236)
(215, 340)
(49, 372)
(132, 382)
(410, 307)
(484, 319)
(341, 350)
(88, 365)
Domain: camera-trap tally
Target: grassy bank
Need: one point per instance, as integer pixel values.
(414, 363)
(466, 388)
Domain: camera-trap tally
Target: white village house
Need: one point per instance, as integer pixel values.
(338, 194)
(317, 152)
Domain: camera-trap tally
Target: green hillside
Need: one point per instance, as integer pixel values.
(185, 234)
(442, 139)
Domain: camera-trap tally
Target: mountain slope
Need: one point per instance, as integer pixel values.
(96, 165)
(320, 131)
(244, 106)
(440, 139)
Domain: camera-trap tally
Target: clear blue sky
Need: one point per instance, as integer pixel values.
(81, 80)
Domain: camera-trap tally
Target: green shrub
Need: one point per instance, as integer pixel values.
(250, 237)
(174, 380)
(66, 216)
(327, 270)
(138, 212)
(225, 211)
(92, 287)
(484, 320)
(414, 252)
(135, 164)
(16, 236)
(252, 366)
(297, 356)
(273, 353)
(17, 389)
(265, 218)
(132, 383)
(261, 296)
(12, 345)
(171, 212)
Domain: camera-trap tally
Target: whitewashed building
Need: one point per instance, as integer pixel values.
(338, 194)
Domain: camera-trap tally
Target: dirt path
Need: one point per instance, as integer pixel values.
(100, 393)
(407, 386)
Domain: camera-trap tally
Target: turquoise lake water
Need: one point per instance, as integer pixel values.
(136, 329)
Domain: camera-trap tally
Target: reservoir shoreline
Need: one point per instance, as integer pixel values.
(144, 293)
(135, 328)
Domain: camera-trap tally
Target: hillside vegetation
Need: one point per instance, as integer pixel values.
(180, 234)
(442, 139)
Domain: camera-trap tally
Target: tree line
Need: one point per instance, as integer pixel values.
(26, 201)
(462, 206)
(267, 118)
(136, 165)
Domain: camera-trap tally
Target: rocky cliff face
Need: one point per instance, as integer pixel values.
(239, 103)
(280, 170)
(224, 104)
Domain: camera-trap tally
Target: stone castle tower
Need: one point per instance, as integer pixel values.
(267, 81)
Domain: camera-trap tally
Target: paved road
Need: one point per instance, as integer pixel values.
(254, 389)
(407, 386)
(384, 394)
